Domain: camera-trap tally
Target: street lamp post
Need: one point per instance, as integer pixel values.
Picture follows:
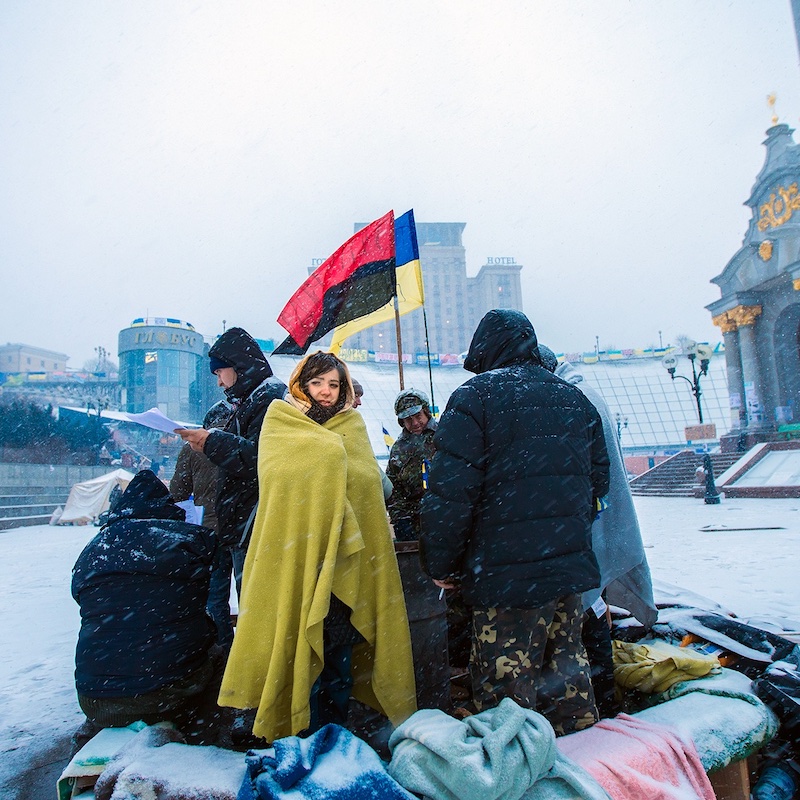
(622, 423)
(98, 405)
(102, 355)
(693, 352)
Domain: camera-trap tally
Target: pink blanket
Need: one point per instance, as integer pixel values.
(632, 759)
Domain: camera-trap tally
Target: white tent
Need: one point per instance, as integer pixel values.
(88, 499)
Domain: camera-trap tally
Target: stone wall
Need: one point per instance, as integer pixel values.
(52, 475)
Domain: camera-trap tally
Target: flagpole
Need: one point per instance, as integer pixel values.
(399, 341)
(428, 350)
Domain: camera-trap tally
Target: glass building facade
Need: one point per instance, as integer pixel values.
(165, 366)
(653, 410)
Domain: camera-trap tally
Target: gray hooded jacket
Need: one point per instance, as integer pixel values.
(616, 538)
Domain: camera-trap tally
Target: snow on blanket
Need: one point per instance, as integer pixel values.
(764, 646)
(153, 765)
(331, 763)
(632, 758)
(503, 753)
(720, 714)
(662, 753)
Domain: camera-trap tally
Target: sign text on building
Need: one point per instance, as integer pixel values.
(144, 337)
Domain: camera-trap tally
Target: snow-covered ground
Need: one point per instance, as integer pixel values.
(753, 573)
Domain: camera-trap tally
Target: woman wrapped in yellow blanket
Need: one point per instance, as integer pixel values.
(322, 613)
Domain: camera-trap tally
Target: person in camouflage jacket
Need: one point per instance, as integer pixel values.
(410, 452)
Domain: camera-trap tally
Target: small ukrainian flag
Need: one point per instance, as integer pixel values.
(387, 438)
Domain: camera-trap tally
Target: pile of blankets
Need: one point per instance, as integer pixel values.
(504, 753)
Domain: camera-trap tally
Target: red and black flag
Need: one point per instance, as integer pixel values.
(355, 281)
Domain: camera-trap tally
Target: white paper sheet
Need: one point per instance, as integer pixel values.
(156, 420)
(194, 514)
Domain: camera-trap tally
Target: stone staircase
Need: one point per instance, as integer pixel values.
(32, 505)
(30, 493)
(676, 477)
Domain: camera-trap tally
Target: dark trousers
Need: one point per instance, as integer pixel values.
(596, 637)
(219, 594)
(536, 657)
(190, 703)
(330, 694)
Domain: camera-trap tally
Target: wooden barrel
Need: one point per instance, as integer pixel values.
(427, 619)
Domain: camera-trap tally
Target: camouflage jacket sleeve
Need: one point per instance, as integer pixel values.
(404, 470)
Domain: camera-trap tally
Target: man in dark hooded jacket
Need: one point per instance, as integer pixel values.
(144, 649)
(520, 463)
(244, 372)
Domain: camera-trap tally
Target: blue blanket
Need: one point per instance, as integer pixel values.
(331, 764)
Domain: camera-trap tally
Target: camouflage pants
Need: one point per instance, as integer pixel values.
(536, 657)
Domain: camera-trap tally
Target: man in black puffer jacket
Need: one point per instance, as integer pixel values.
(242, 369)
(520, 463)
(145, 645)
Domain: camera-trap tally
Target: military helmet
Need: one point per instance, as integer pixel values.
(410, 402)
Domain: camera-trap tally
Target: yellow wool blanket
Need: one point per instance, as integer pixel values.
(321, 528)
(653, 666)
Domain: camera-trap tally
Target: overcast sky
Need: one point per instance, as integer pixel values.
(190, 159)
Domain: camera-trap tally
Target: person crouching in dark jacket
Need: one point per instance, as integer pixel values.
(144, 649)
(244, 372)
(520, 461)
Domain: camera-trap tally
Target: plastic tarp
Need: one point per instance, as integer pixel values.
(88, 499)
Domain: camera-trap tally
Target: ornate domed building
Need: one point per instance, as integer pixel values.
(759, 308)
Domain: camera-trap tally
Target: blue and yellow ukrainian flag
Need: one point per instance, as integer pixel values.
(410, 291)
(387, 438)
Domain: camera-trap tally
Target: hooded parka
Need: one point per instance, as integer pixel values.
(235, 450)
(321, 554)
(616, 538)
(520, 459)
(142, 585)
